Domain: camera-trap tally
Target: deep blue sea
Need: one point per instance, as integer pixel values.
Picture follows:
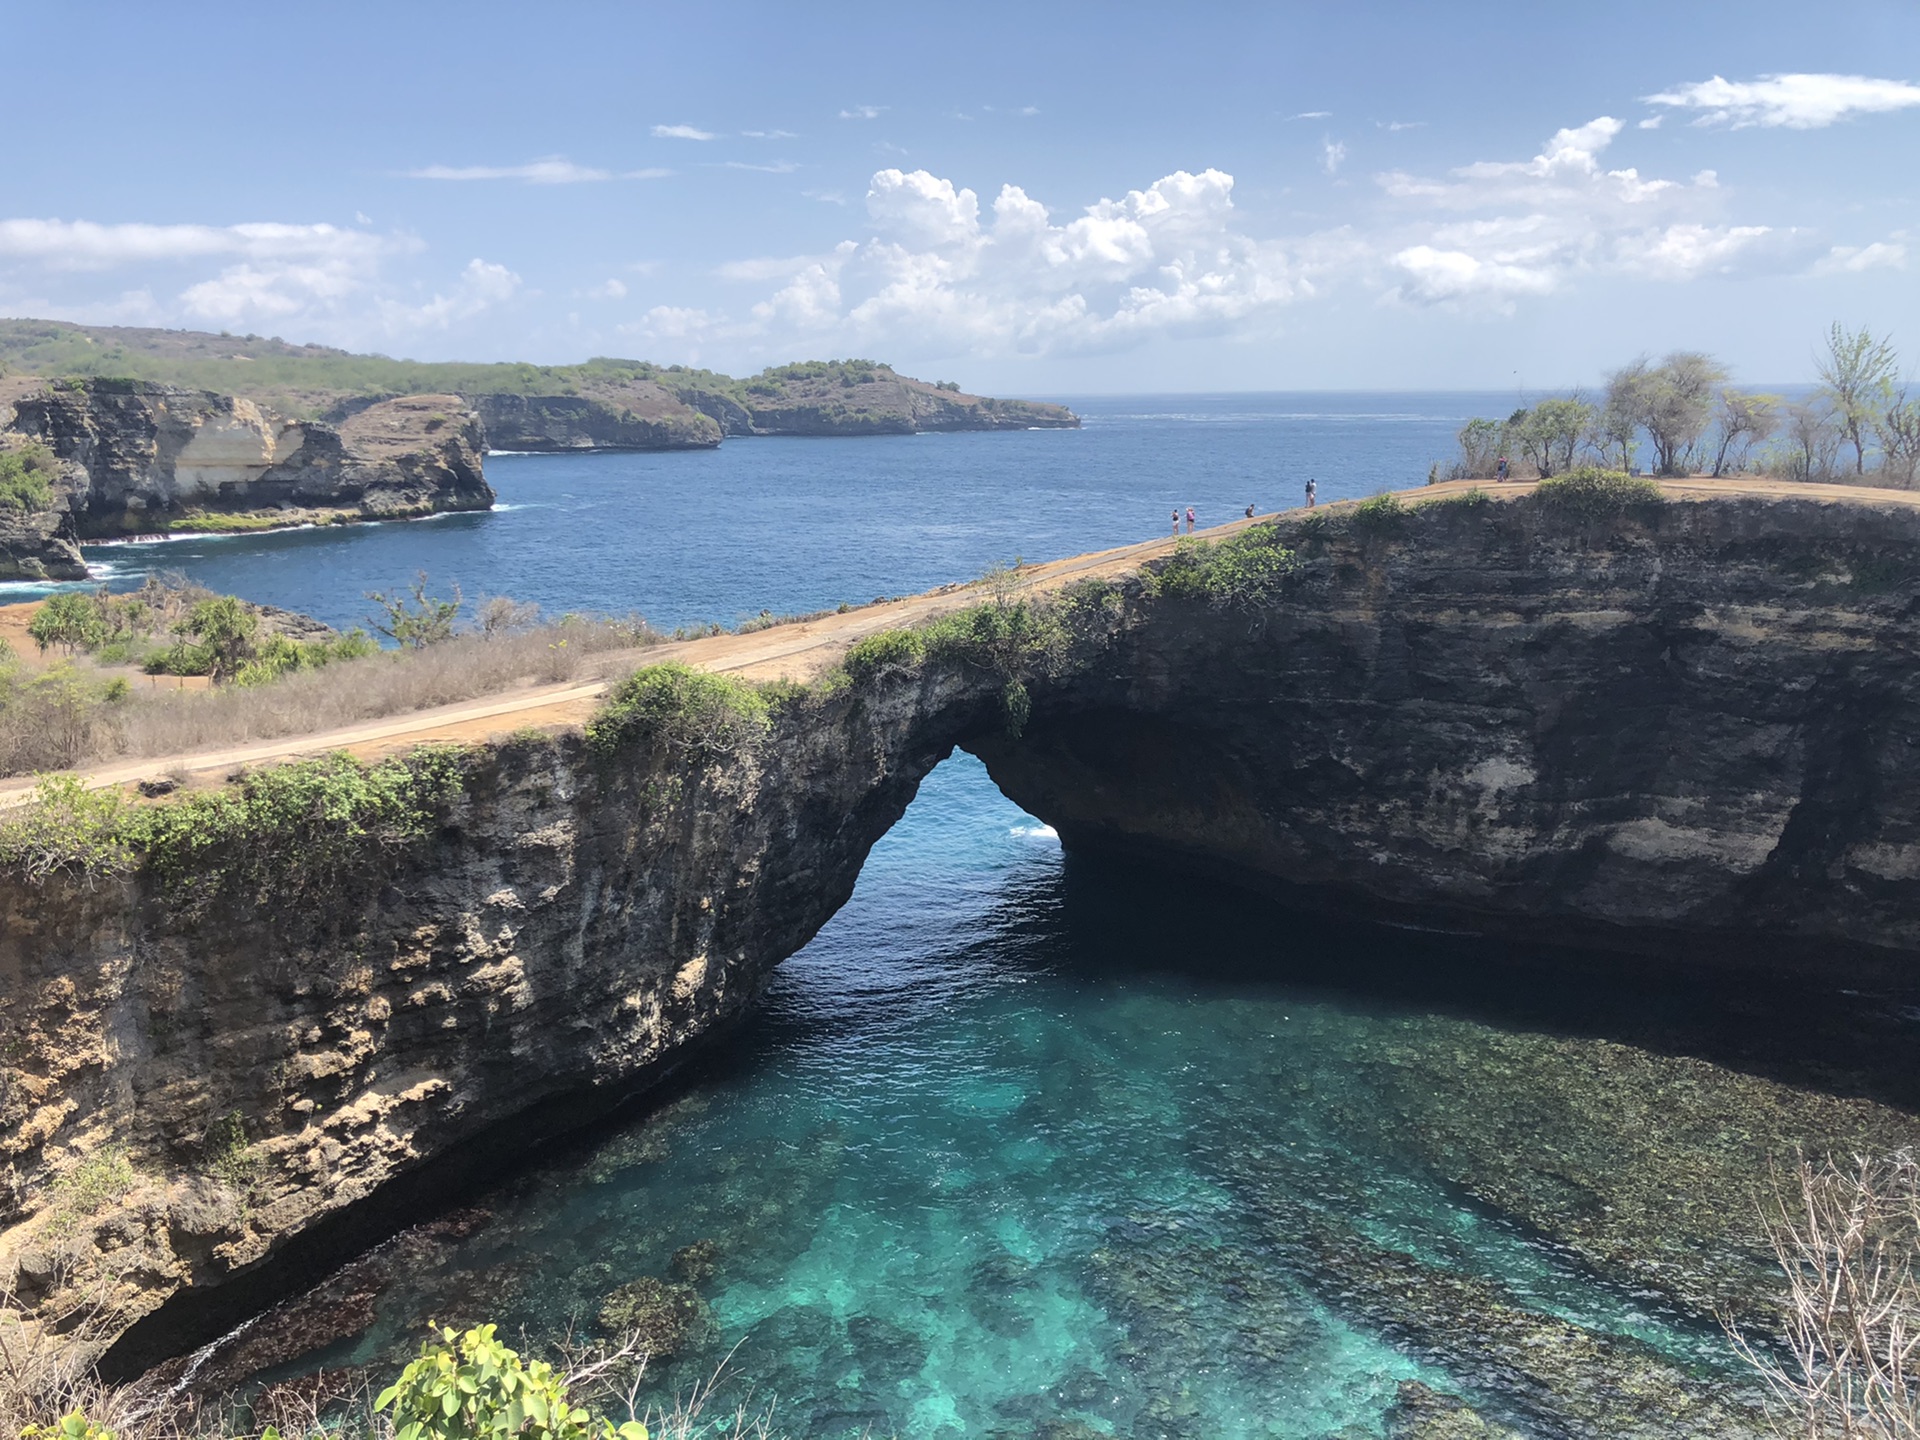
(1025, 1145)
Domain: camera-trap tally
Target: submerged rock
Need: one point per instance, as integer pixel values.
(662, 1318)
(1423, 1413)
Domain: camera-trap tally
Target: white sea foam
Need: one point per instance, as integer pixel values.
(1035, 832)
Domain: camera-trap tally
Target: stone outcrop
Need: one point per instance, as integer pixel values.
(637, 416)
(155, 458)
(1687, 730)
(1682, 730)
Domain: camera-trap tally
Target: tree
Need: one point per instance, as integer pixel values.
(1676, 404)
(1551, 431)
(1856, 377)
(1617, 428)
(1479, 448)
(1812, 439)
(1898, 428)
(502, 615)
(1741, 421)
(416, 619)
(225, 627)
(70, 620)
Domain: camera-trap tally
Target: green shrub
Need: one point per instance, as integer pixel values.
(888, 650)
(184, 657)
(686, 712)
(1247, 570)
(296, 829)
(1380, 515)
(1472, 498)
(471, 1387)
(71, 619)
(26, 478)
(280, 833)
(1593, 494)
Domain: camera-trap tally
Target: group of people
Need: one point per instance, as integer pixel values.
(1313, 498)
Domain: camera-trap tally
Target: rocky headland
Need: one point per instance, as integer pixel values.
(137, 458)
(1679, 729)
(603, 404)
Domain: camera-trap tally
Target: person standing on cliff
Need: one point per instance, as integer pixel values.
(1313, 491)
(1249, 509)
(1189, 519)
(1500, 470)
(1176, 521)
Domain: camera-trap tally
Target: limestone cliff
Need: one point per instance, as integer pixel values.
(640, 415)
(152, 458)
(1683, 729)
(1686, 730)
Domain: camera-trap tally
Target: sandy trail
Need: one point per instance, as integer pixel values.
(798, 651)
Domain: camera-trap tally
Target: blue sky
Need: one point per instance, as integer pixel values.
(1026, 198)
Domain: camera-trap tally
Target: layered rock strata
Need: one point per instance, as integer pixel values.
(147, 458)
(1683, 730)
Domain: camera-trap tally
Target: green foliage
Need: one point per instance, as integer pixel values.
(66, 829)
(283, 833)
(1247, 570)
(1591, 494)
(184, 657)
(72, 1427)
(26, 478)
(469, 1386)
(296, 830)
(416, 619)
(225, 629)
(1382, 514)
(230, 1158)
(888, 650)
(1473, 498)
(686, 712)
(280, 655)
(71, 619)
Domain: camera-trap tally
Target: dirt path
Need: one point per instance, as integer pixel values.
(798, 651)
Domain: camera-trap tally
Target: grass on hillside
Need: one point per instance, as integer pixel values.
(302, 379)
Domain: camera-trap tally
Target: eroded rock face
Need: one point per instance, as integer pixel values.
(641, 416)
(1683, 733)
(155, 457)
(221, 1076)
(1690, 732)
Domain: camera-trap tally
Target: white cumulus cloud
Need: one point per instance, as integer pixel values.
(682, 132)
(1797, 102)
(943, 273)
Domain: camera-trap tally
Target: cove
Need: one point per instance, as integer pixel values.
(1025, 1141)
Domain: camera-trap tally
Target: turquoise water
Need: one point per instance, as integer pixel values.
(1029, 1145)
(1023, 1141)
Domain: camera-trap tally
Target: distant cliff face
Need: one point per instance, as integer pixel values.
(155, 457)
(641, 416)
(693, 410)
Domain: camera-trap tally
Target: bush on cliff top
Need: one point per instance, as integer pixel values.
(1243, 571)
(687, 712)
(1591, 494)
(285, 832)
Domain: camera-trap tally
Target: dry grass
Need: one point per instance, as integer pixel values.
(167, 722)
